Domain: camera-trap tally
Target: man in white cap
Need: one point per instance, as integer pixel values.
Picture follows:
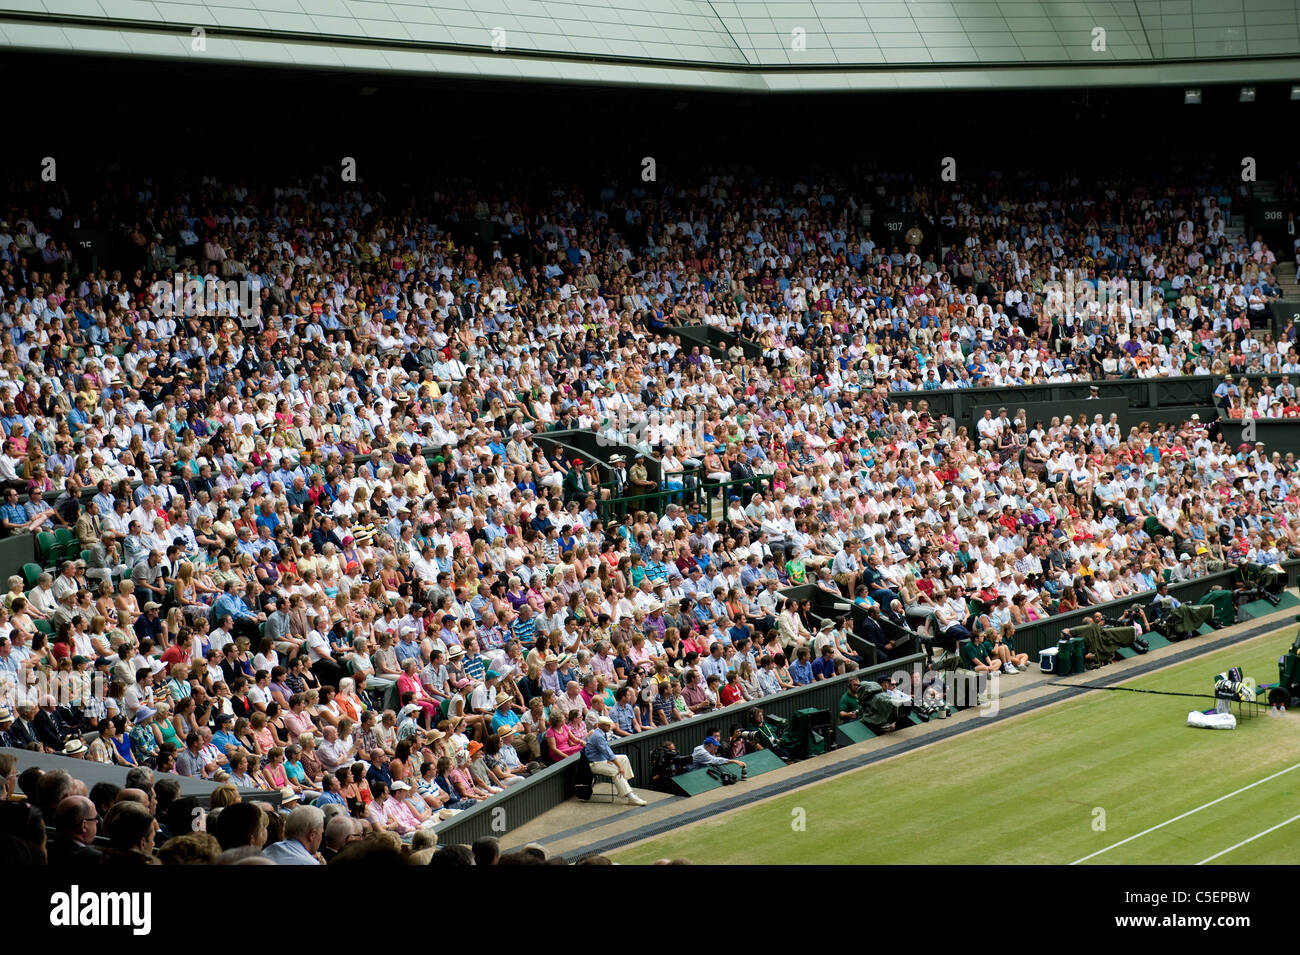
(409, 725)
(605, 762)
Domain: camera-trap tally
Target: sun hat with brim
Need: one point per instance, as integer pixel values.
(73, 746)
(604, 721)
(152, 606)
(461, 684)
(456, 651)
(502, 699)
(432, 736)
(502, 732)
(287, 795)
(144, 713)
(474, 747)
(5, 715)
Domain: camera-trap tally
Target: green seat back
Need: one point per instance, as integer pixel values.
(47, 547)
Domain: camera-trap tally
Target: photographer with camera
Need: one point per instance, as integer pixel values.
(705, 756)
(759, 734)
(1178, 618)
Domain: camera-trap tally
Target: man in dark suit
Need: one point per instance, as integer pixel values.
(77, 821)
(204, 481)
(50, 730)
(741, 468)
(21, 732)
(186, 485)
(618, 474)
(871, 631)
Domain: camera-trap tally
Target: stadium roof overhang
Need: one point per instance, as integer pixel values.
(753, 46)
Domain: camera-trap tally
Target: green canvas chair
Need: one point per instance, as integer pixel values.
(47, 548)
(65, 544)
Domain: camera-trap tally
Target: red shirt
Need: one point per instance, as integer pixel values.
(731, 693)
(174, 655)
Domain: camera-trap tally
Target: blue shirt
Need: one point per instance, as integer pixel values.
(14, 513)
(406, 651)
(289, 852)
(823, 667)
(233, 605)
(508, 718)
(475, 667)
(524, 631)
(623, 714)
(714, 666)
(597, 749)
(801, 673)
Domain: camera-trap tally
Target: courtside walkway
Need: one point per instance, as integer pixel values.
(575, 828)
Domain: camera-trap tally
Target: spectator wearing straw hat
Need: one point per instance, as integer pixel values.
(605, 762)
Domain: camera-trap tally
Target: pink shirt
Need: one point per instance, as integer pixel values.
(603, 666)
(297, 724)
(400, 812)
(381, 816)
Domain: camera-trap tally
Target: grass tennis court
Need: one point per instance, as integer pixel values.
(1039, 788)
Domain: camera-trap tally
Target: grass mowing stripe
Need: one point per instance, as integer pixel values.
(1190, 812)
(1243, 842)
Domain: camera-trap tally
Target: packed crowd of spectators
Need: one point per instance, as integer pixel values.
(51, 817)
(321, 550)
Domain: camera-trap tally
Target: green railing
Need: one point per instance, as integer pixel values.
(1150, 394)
(711, 497)
(715, 338)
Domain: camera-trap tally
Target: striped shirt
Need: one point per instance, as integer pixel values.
(524, 630)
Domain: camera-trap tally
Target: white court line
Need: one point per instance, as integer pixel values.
(1250, 840)
(1190, 812)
